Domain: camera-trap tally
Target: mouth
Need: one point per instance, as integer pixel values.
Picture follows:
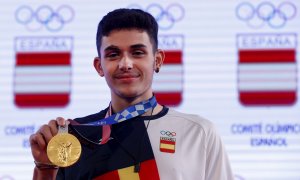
(127, 77)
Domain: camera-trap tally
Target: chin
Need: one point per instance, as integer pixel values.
(128, 94)
(131, 93)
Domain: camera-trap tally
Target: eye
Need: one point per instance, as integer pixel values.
(138, 53)
(112, 55)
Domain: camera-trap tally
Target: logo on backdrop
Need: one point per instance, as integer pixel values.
(166, 17)
(168, 83)
(42, 76)
(266, 14)
(42, 71)
(44, 16)
(267, 70)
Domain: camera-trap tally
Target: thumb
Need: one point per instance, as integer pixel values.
(61, 121)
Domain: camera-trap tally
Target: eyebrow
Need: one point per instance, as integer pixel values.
(135, 46)
(116, 48)
(111, 48)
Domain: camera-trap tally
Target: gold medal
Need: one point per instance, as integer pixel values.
(63, 149)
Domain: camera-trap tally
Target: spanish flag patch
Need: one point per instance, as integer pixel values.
(167, 144)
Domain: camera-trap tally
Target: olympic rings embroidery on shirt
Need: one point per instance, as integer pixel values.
(165, 17)
(44, 16)
(168, 133)
(266, 13)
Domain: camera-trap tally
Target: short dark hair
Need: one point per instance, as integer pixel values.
(120, 19)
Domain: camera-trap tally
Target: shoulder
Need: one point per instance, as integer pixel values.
(91, 117)
(192, 121)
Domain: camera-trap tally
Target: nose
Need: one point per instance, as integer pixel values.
(125, 63)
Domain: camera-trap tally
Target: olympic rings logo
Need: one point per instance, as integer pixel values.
(266, 13)
(44, 16)
(168, 133)
(165, 17)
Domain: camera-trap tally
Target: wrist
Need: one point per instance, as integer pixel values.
(44, 173)
(45, 166)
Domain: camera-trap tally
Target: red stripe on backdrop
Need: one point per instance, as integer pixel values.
(149, 170)
(173, 57)
(42, 100)
(43, 58)
(169, 98)
(167, 142)
(113, 175)
(268, 98)
(267, 56)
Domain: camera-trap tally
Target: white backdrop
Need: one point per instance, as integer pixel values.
(233, 62)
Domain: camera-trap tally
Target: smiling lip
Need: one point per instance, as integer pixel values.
(127, 77)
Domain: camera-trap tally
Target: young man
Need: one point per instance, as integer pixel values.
(157, 143)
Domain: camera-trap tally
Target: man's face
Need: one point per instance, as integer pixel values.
(127, 62)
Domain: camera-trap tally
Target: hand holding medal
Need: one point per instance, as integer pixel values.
(63, 149)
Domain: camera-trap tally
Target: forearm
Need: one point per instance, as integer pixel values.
(44, 174)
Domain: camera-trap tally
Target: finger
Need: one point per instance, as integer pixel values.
(35, 149)
(61, 121)
(32, 140)
(53, 127)
(38, 147)
(46, 133)
(38, 140)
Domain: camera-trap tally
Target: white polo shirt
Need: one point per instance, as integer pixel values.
(187, 147)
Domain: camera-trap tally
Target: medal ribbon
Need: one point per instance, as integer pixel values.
(126, 114)
(106, 129)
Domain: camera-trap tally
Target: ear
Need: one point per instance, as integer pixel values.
(159, 59)
(98, 67)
